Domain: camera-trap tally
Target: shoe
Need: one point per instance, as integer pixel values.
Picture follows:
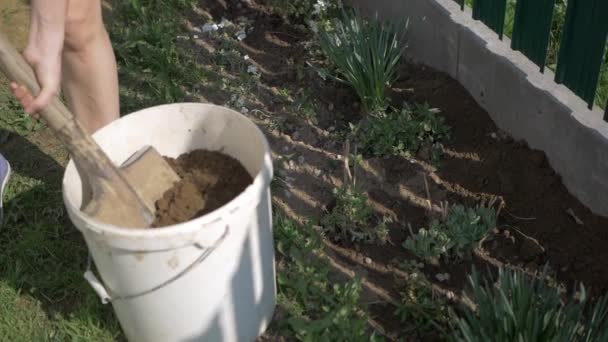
(5, 174)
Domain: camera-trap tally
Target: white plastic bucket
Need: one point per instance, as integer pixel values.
(209, 279)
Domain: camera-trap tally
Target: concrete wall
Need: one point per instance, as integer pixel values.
(521, 101)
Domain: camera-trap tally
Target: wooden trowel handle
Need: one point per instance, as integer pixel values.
(18, 70)
(96, 168)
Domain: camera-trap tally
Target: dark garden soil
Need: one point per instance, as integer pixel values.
(209, 180)
(540, 224)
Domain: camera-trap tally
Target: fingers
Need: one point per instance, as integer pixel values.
(26, 99)
(41, 102)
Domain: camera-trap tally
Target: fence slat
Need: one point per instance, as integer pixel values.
(532, 28)
(491, 13)
(461, 2)
(582, 47)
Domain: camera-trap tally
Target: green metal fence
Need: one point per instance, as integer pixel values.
(568, 36)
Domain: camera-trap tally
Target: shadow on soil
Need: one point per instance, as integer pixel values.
(308, 152)
(480, 162)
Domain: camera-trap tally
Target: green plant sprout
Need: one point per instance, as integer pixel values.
(317, 308)
(455, 235)
(366, 54)
(352, 218)
(406, 133)
(419, 305)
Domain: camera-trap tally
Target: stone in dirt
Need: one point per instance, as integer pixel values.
(209, 179)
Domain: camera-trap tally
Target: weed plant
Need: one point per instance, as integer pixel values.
(353, 219)
(455, 235)
(405, 133)
(317, 308)
(419, 306)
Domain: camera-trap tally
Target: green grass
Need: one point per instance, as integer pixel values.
(43, 295)
(153, 68)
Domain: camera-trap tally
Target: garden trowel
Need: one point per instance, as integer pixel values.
(125, 196)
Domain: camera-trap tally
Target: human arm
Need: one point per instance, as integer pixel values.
(44, 52)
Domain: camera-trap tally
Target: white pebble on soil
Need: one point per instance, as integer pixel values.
(241, 35)
(225, 23)
(209, 28)
(442, 276)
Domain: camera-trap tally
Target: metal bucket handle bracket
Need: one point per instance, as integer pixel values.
(105, 295)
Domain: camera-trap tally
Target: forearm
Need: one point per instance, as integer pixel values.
(44, 52)
(48, 24)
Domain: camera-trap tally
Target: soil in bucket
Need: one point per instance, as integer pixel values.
(209, 179)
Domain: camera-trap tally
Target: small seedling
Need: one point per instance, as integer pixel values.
(428, 244)
(317, 308)
(519, 307)
(419, 305)
(455, 235)
(407, 132)
(304, 105)
(352, 218)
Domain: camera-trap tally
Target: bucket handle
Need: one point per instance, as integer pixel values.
(105, 295)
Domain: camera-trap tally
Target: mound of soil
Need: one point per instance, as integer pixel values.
(209, 179)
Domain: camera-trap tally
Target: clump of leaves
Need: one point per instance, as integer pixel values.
(419, 305)
(14, 118)
(524, 308)
(454, 235)
(366, 53)
(354, 219)
(407, 132)
(297, 11)
(317, 308)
